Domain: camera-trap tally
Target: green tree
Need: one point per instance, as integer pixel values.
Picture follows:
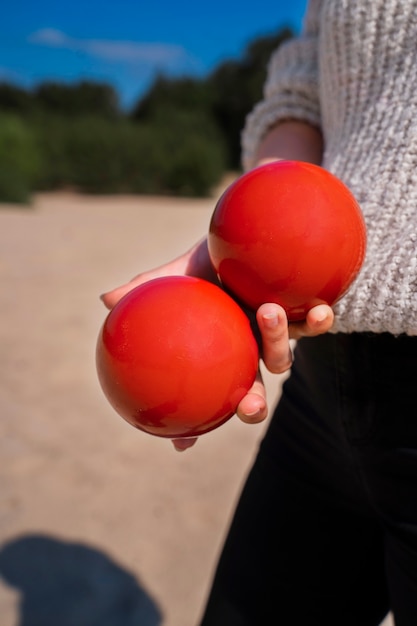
(83, 98)
(19, 159)
(226, 96)
(14, 99)
(165, 94)
(168, 155)
(236, 86)
(178, 139)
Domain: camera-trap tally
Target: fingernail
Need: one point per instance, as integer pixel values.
(321, 314)
(270, 320)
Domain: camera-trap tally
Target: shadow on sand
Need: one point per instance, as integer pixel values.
(71, 584)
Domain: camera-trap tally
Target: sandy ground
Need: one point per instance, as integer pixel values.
(81, 491)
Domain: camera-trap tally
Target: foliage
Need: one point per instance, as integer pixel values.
(79, 99)
(188, 151)
(226, 96)
(95, 155)
(184, 94)
(15, 99)
(178, 139)
(19, 160)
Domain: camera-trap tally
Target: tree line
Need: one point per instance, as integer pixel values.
(178, 139)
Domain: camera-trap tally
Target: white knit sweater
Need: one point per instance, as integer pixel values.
(353, 73)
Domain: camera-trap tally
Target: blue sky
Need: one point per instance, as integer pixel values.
(126, 42)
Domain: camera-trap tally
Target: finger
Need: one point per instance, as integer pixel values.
(253, 407)
(175, 267)
(273, 325)
(319, 320)
(111, 298)
(182, 444)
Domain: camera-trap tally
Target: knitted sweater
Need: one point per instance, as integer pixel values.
(353, 73)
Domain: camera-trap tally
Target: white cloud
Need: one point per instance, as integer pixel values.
(133, 51)
(50, 37)
(158, 55)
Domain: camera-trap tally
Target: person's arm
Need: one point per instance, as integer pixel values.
(291, 140)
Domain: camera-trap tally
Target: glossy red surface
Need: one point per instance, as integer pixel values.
(175, 357)
(287, 232)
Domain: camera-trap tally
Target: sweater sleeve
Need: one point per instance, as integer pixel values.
(291, 87)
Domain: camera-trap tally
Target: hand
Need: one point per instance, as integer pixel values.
(195, 262)
(275, 331)
(277, 355)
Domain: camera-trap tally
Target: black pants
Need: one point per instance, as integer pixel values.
(325, 533)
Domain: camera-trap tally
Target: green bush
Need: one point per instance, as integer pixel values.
(52, 133)
(79, 152)
(181, 153)
(19, 160)
(174, 154)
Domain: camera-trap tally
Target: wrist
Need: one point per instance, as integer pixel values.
(291, 140)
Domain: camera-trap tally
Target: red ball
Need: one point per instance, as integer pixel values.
(175, 357)
(287, 232)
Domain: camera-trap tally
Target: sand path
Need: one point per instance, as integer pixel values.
(80, 490)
